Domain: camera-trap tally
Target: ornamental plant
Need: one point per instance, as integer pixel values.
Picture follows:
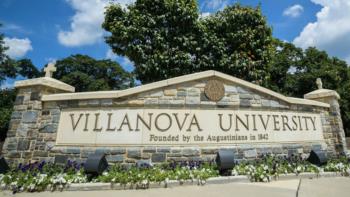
(269, 166)
(142, 177)
(41, 176)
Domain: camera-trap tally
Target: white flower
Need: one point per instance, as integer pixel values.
(298, 168)
(234, 172)
(144, 182)
(266, 167)
(31, 186)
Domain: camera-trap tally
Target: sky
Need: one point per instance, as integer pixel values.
(48, 30)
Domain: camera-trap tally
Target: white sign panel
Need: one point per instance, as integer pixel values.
(120, 127)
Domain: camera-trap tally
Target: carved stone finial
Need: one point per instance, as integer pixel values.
(50, 69)
(319, 83)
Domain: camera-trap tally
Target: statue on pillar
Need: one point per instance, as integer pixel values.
(319, 83)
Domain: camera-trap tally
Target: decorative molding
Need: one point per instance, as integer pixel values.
(45, 81)
(178, 80)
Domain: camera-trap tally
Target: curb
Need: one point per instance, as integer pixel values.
(175, 183)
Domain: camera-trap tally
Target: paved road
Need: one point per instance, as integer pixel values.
(333, 187)
(323, 187)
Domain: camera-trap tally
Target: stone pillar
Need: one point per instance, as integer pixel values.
(23, 134)
(331, 97)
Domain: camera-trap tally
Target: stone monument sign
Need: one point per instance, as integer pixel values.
(183, 118)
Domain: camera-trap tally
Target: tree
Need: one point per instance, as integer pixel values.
(3, 48)
(285, 61)
(6, 69)
(26, 68)
(10, 68)
(238, 42)
(294, 72)
(168, 38)
(7, 97)
(345, 105)
(88, 74)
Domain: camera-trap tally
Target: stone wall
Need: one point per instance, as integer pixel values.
(34, 124)
(24, 142)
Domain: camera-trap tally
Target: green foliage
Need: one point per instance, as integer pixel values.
(286, 57)
(51, 177)
(263, 170)
(88, 74)
(142, 177)
(238, 43)
(6, 68)
(10, 68)
(340, 165)
(3, 57)
(294, 72)
(41, 176)
(26, 68)
(167, 38)
(7, 97)
(344, 91)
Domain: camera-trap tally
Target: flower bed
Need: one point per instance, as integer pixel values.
(43, 176)
(267, 168)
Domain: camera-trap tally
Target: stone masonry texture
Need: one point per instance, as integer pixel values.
(33, 127)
